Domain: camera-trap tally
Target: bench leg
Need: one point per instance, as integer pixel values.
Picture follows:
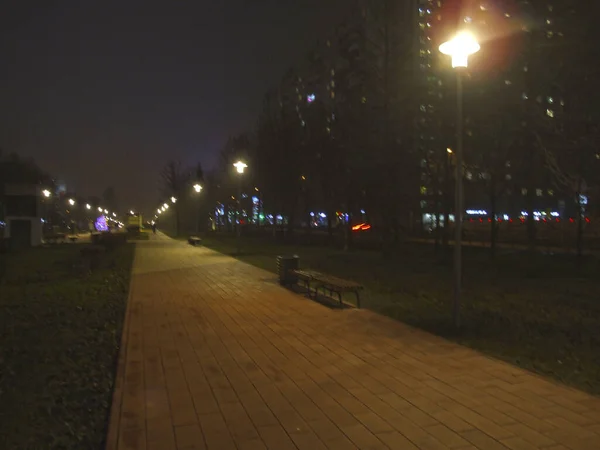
(340, 297)
(357, 299)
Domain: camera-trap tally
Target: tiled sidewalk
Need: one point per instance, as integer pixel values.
(216, 355)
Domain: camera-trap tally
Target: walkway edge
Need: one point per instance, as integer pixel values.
(112, 435)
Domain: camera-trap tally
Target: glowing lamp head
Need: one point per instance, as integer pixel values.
(114, 215)
(197, 187)
(131, 212)
(106, 211)
(71, 202)
(88, 206)
(159, 210)
(166, 206)
(460, 48)
(240, 166)
(99, 209)
(46, 193)
(173, 199)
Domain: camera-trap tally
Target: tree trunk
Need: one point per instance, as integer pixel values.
(580, 218)
(446, 206)
(493, 208)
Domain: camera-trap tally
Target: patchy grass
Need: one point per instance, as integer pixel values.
(540, 312)
(59, 335)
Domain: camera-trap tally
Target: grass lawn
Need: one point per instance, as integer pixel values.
(540, 312)
(59, 339)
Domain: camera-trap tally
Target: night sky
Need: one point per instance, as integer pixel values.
(104, 93)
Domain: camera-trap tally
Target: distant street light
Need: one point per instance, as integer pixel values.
(99, 209)
(240, 166)
(88, 206)
(166, 206)
(46, 193)
(459, 48)
(159, 210)
(114, 215)
(131, 212)
(106, 211)
(173, 199)
(71, 202)
(197, 187)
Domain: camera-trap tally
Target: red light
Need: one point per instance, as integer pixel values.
(489, 220)
(499, 220)
(571, 220)
(557, 219)
(587, 219)
(480, 220)
(544, 219)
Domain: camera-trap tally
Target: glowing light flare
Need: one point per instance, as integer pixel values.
(46, 193)
(71, 202)
(197, 187)
(173, 199)
(460, 48)
(240, 166)
(88, 206)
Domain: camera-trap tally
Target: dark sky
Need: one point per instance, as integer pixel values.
(104, 92)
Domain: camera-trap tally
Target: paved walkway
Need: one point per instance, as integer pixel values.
(216, 355)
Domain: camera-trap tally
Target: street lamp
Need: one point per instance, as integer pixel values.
(88, 206)
(198, 189)
(71, 202)
(459, 49)
(173, 199)
(46, 193)
(240, 166)
(99, 209)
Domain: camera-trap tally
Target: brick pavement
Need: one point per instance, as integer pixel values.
(216, 355)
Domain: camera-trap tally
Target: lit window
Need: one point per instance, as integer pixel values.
(549, 34)
(482, 7)
(303, 123)
(507, 164)
(468, 175)
(549, 113)
(548, 21)
(508, 177)
(525, 68)
(421, 12)
(332, 83)
(506, 15)
(538, 192)
(428, 25)
(423, 190)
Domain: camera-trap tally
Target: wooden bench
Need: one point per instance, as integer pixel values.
(73, 238)
(194, 240)
(55, 238)
(328, 283)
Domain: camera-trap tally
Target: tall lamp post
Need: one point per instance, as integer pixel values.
(240, 166)
(459, 48)
(198, 189)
